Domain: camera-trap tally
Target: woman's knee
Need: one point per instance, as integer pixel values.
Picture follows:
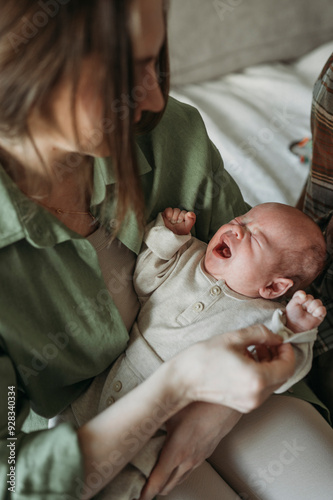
(204, 482)
(269, 447)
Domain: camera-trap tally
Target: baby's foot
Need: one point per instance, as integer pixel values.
(304, 312)
(179, 221)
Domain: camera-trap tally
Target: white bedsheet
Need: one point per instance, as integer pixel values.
(253, 116)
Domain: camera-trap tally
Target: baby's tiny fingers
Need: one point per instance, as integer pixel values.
(307, 302)
(168, 213)
(320, 312)
(312, 304)
(172, 215)
(175, 215)
(300, 296)
(190, 215)
(179, 216)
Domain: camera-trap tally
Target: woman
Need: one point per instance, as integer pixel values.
(76, 76)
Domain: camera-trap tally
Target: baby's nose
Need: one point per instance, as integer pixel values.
(239, 232)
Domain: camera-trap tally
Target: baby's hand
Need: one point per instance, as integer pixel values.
(179, 221)
(304, 312)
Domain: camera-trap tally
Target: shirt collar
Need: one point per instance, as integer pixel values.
(104, 175)
(22, 218)
(130, 233)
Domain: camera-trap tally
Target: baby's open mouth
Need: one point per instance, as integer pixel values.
(222, 250)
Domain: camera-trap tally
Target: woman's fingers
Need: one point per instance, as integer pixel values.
(162, 481)
(167, 473)
(192, 435)
(263, 377)
(241, 382)
(263, 353)
(254, 335)
(281, 367)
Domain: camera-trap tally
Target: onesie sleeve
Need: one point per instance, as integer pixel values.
(302, 344)
(159, 255)
(45, 465)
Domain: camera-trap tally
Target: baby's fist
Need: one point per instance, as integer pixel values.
(179, 221)
(304, 312)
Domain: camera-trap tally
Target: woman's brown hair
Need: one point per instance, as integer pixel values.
(41, 41)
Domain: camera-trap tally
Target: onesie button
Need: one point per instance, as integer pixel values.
(216, 290)
(117, 386)
(110, 401)
(198, 307)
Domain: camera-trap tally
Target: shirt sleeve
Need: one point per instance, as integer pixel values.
(160, 253)
(319, 192)
(302, 344)
(46, 464)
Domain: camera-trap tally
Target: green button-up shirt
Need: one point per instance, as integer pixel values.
(58, 326)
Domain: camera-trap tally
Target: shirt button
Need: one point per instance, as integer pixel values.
(216, 290)
(110, 401)
(117, 386)
(198, 307)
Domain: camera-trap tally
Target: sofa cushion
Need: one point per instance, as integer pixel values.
(209, 38)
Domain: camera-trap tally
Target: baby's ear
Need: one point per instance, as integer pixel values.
(276, 288)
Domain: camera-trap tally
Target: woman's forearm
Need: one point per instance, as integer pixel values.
(218, 370)
(112, 438)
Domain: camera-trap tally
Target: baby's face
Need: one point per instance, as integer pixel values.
(245, 251)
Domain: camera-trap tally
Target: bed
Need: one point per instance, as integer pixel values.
(249, 68)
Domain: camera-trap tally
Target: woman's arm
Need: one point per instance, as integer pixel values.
(110, 440)
(192, 436)
(215, 371)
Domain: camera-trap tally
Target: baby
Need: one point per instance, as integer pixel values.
(190, 291)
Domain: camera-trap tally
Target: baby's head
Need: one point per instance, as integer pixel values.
(271, 250)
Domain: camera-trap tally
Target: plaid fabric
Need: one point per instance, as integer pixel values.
(319, 192)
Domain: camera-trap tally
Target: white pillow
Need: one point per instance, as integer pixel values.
(209, 38)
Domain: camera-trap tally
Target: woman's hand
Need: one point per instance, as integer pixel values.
(221, 369)
(192, 436)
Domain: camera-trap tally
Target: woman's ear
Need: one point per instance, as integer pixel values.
(275, 289)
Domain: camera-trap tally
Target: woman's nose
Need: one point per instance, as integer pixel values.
(149, 95)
